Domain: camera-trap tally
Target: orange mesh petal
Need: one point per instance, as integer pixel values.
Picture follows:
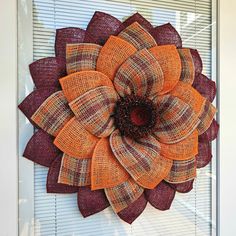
(75, 141)
(74, 171)
(188, 70)
(169, 60)
(137, 36)
(77, 84)
(113, 54)
(124, 194)
(106, 170)
(182, 150)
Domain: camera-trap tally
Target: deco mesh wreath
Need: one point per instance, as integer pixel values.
(123, 115)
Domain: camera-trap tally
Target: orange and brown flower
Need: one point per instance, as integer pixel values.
(124, 115)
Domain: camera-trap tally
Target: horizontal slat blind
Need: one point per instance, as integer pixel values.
(190, 213)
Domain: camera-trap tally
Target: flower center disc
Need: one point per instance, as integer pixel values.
(135, 116)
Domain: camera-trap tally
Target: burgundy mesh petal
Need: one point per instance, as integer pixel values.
(46, 72)
(53, 173)
(166, 34)
(40, 149)
(140, 19)
(205, 86)
(134, 210)
(211, 133)
(183, 187)
(161, 197)
(91, 202)
(197, 61)
(33, 101)
(101, 26)
(65, 36)
(204, 154)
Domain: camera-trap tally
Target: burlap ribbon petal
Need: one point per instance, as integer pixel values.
(204, 154)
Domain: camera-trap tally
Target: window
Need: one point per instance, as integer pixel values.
(44, 214)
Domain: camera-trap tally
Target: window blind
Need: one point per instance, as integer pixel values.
(190, 214)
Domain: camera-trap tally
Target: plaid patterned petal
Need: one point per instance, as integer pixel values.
(197, 61)
(166, 34)
(113, 54)
(53, 114)
(188, 72)
(79, 83)
(182, 171)
(107, 172)
(94, 109)
(52, 185)
(211, 133)
(134, 210)
(161, 197)
(40, 149)
(182, 150)
(183, 187)
(66, 36)
(46, 72)
(74, 171)
(140, 19)
(81, 57)
(122, 195)
(140, 74)
(176, 119)
(169, 60)
(91, 202)
(101, 26)
(141, 159)
(136, 35)
(205, 86)
(76, 141)
(34, 100)
(204, 154)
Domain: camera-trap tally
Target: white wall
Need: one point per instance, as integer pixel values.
(8, 118)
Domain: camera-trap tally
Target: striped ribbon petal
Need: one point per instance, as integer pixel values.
(81, 57)
(113, 54)
(182, 171)
(94, 109)
(53, 114)
(75, 140)
(76, 84)
(176, 120)
(140, 74)
(141, 159)
(122, 195)
(74, 171)
(137, 36)
(169, 60)
(106, 170)
(188, 72)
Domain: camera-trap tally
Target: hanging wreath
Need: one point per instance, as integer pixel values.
(123, 115)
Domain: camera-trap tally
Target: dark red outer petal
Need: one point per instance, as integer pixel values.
(166, 34)
(206, 87)
(91, 202)
(46, 72)
(53, 173)
(33, 101)
(101, 26)
(211, 133)
(183, 187)
(134, 210)
(140, 19)
(204, 155)
(197, 61)
(65, 36)
(161, 197)
(40, 149)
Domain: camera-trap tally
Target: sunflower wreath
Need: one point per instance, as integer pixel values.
(123, 115)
